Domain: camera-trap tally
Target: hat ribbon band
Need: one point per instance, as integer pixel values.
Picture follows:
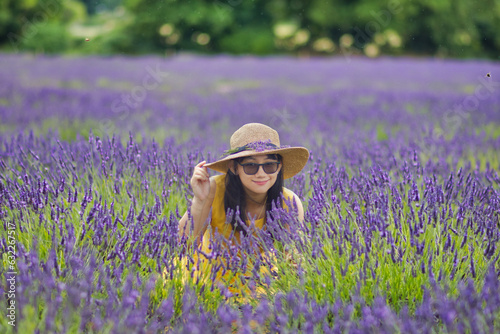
(257, 146)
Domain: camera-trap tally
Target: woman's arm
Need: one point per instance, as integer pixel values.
(204, 192)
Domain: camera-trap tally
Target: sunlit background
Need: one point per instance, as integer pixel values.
(445, 28)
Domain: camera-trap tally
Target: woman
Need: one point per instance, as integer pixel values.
(254, 170)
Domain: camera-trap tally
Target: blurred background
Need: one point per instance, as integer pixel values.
(443, 28)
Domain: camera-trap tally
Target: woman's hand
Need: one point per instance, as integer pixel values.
(204, 188)
(200, 182)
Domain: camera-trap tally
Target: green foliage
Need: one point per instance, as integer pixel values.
(256, 40)
(48, 38)
(458, 28)
(38, 25)
(455, 28)
(445, 27)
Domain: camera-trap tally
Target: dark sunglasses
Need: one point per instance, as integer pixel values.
(252, 169)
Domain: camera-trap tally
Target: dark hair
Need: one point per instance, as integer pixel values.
(235, 196)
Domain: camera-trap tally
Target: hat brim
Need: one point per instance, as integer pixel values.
(294, 160)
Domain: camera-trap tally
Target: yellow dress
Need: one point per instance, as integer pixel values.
(201, 268)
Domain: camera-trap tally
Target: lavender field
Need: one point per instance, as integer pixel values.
(401, 195)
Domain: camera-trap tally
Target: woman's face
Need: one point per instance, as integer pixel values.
(260, 182)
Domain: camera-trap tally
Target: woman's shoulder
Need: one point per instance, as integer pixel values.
(217, 184)
(219, 179)
(292, 200)
(287, 193)
(290, 196)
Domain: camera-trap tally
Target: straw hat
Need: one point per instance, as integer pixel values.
(260, 139)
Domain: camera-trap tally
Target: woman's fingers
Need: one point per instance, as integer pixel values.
(199, 169)
(199, 180)
(201, 174)
(201, 166)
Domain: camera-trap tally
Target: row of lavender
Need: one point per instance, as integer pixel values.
(401, 229)
(94, 210)
(341, 100)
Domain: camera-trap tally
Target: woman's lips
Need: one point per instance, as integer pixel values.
(260, 183)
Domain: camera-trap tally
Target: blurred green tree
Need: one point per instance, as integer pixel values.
(38, 25)
(457, 28)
